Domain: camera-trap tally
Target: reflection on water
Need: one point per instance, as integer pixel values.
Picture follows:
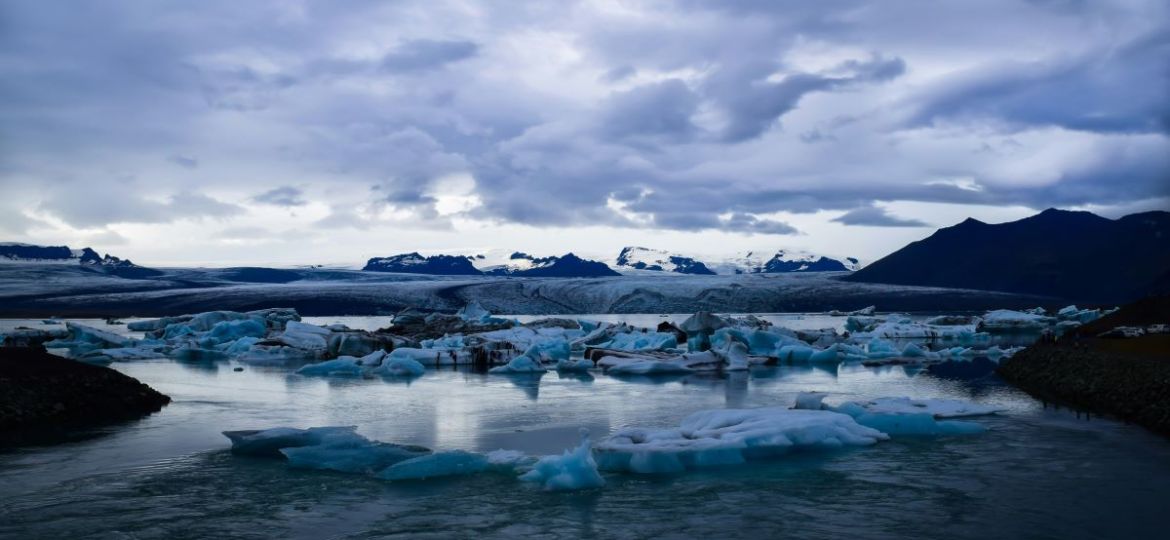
(1038, 472)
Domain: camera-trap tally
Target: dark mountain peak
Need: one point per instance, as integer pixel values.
(519, 255)
(567, 265)
(1074, 255)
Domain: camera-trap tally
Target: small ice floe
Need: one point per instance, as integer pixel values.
(1008, 321)
(903, 415)
(573, 470)
(577, 365)
(729, 436)
(438, 464)
(520, 364)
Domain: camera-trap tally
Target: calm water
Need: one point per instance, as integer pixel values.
(1037, 473)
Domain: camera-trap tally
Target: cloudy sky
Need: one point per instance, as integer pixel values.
(295, 132)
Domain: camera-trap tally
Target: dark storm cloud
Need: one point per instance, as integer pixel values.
(873, 216)
(286, 196)
(699, 115)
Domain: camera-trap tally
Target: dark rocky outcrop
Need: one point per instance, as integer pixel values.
(41, 392)
(1127, 377)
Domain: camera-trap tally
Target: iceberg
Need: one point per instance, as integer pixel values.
(438, 464)
(519, 364)
(432, 357)
(305, 336)
(399, 367)
(905, 416)
(345, 365)
(269, 442)
(474, 313)
(574, 469)
(351, 456)
(1006, 321)
(730, 436)
(628, 366)
(578, 365)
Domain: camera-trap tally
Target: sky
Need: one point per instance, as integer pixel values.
(222, 133)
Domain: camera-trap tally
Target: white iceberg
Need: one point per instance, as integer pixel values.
(730, 436)
(905, 416)
(269, 442)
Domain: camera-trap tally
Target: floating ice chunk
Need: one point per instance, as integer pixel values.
(305, 336)
(939, 408)
(641, 341)
(473, 313)
(432, 357)
(1004, 320)
(269, 442)
(827, 356)
(629, 366)
(795, 353)
(912, 350)
(81, 333)
(438, 464)
(345, 365)
(445, 342)
(352, 456)
(519, 364)
(508, 459)
(574, 469)
(275, 355)
(920, 424)
(578, 365)
(729, 436)
(233, 330)
(734, 357)
(809, 401)
(550, 349)
(905, 416)
(400, 367)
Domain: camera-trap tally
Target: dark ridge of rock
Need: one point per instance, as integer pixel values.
(1077, 256)
(45, 393)
(1134, 388)
(1126, 377)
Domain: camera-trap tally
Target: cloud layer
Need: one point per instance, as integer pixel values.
(682, 116)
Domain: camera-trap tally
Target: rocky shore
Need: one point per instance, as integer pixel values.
(41, 392)
(1124, 377)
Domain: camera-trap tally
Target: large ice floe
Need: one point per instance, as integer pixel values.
(730, 436)
(903, 415)
(342, 449)
(707, 438)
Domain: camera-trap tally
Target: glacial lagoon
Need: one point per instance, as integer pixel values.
(1037, 471)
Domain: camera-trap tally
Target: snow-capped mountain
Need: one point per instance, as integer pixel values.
(568, 265)
(15, 252)
(640, 258)
(413, 263)
(783, 261)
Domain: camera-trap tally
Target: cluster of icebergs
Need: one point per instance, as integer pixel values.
(716, 437)
(703, 343)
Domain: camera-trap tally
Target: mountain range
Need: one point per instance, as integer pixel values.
(86, 257)
(1066, 254)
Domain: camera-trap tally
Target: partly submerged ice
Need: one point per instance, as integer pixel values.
(905, 416)
(730, 436)
(572, 470)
